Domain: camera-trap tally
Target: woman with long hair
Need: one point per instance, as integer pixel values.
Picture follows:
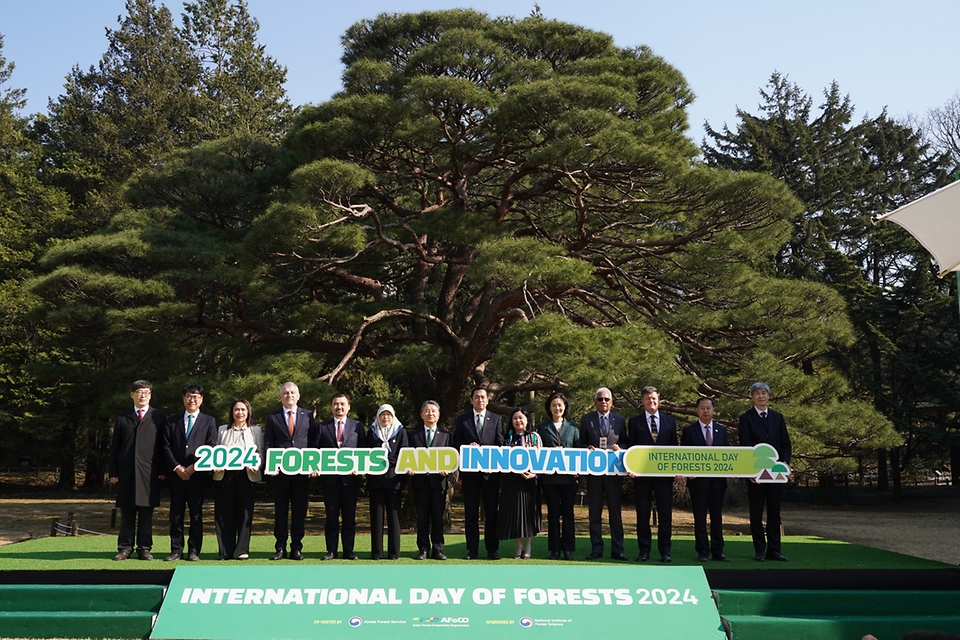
(233, 503)
(519, 515)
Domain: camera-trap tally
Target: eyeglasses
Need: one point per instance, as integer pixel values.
(604, 399)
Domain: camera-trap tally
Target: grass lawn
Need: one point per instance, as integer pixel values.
(805, 552)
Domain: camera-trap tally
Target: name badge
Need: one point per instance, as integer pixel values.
(603, 442)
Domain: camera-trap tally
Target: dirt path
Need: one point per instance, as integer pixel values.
(924, 528)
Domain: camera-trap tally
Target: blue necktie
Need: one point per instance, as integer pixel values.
(189, 425)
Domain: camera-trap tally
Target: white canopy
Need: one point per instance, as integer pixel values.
(934, 220)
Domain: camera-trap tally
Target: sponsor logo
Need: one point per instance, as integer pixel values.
(355, 621)
(526, 623)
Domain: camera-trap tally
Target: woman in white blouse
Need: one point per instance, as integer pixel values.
(233, 506)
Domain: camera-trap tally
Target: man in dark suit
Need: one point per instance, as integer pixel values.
(653, 428)
(289, 427)
(475, 428)
(603, 429)
(762, 424)
(706, 493)
(340, 492)
(182, 435)
(430, 489)
(136, 468)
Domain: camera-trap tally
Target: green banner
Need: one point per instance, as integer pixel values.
(758, 462)
(367, 602)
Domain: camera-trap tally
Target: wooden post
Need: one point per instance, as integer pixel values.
(53, 528)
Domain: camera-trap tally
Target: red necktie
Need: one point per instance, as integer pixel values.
(339, 431)
(139, 414)
(290, 422)
(708, 435)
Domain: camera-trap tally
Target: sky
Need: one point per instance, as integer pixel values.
(898, 55)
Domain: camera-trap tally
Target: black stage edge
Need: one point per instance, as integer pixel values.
(842, 579)
(762, 579)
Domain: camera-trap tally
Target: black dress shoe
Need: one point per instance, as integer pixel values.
(373, 557)
(123, 554)
(776, 555)
(438, 555)
(350, 556)
(619, 556)
(568, 555)
(470, 556)
(720, 557)
(193, 557)
(144, 554)
(173, 557)
(422, 555)
(493, 555)
(759, 557)
(643, 557)
(329, 555)
(296, 555)
(554, 555)
(703, 558)
(279, 555)
(666, 558)
(594, 556)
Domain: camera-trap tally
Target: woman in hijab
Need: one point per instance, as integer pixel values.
(559, 491)
(519, 515)
(233, 505)
(386, 491)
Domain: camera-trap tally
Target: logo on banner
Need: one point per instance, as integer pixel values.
(355, 621)
(526, 623)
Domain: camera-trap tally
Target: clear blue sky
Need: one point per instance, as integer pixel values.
(895, 54)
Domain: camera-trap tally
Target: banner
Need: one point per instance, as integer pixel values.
(758, 462)
(391, 602)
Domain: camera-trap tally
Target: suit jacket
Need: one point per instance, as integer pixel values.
(692, 436)
(422, 481)
(569, 437)
(590, 430)
(752, 431)
(389, 480)
(276, 435)
(465, 431)
(178, 449)
(256, 436)
(354, 437)
(136, 459)
(640, 431)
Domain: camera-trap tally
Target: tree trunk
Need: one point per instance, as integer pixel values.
(883, 481)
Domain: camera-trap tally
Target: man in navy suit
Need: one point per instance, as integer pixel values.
(430, 489)
(136, 468)
(290, 427)
(182, 435)
(340, 492)
(475, 428)
(762, 424)
(604, 429)
(653, 428)
(706, 492)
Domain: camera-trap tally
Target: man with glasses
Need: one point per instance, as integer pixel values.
(603, 429)
(136, 469)
(183, 434)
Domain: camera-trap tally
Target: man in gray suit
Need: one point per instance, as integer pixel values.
(604, 429)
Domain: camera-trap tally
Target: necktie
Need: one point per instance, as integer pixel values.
(139, 414)
(189, 425)
(429, 437)
(290, 422)
(479, 425)
(653, 427)
(763, 414)
(606, 426)
(708, 435)
(339, 431)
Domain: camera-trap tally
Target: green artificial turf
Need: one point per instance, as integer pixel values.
(805, 552)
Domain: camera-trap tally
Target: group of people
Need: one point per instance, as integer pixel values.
(148, 446)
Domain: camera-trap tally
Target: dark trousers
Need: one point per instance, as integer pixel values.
(770, 495)
(389, 501)
(289, 492)
(233, 513)
(340, 502)
(139, 520)
(561, 532)
(610, 487)
(187, 495)
(706, 496)
(431, 504)
(644, 491)
(477, 488)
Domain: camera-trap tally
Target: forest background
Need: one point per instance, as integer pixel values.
(509, 202)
